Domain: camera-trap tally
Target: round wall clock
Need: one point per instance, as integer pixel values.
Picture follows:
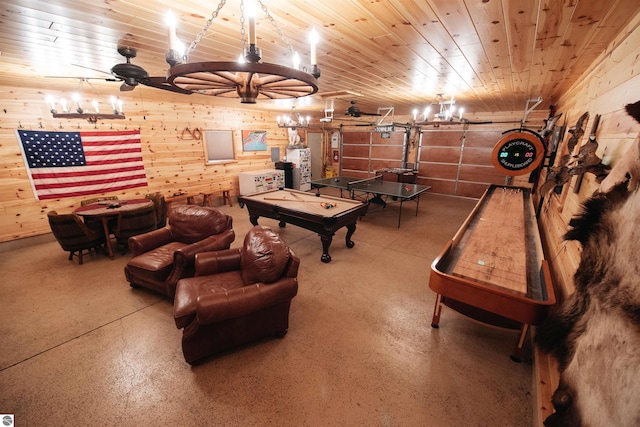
(517, 153)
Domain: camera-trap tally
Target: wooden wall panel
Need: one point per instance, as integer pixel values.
(349, 164)
(440, 154)
(366, 152)
(487, 139)
(463, 156)
(395, 138)
(476, 155)
(356, 138)
(441, 170)
(390, 153)
(437, 138)
(355, 151)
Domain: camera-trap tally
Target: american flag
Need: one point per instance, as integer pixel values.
(68, 164)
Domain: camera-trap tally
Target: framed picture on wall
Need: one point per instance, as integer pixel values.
(254, 140)
(218, 146)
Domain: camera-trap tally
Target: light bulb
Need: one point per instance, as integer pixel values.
(52, 103)
(313, 41)
(170, 20)
(296, 60)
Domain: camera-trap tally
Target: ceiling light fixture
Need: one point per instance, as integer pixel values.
(92, 115)
(293, 121)
(249, 79)
(446, 113)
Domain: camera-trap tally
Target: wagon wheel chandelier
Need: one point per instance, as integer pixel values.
(248, 79)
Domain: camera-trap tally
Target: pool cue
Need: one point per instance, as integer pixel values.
(286, 200)
(296, 196)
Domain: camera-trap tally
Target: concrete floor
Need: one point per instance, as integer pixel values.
(80, 347)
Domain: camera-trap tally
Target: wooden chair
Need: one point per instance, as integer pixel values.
(160, 206)
(73, 235)
(134, 222)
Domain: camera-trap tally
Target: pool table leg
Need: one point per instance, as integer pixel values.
(351, 228)
(326, 242)
(253, 219)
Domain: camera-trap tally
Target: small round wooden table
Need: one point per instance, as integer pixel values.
(108, 209)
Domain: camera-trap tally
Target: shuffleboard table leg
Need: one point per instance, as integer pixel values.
(435, 322)
(517, 352)
(326, 242)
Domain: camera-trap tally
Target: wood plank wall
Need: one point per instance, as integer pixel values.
(612, 82)
(174, 161)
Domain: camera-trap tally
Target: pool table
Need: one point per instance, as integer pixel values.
(322, 214)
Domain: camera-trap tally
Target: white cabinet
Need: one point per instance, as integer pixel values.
(262, 180)
(301, 157)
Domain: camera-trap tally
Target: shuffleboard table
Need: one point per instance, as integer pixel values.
(493, 270)
(322, 214)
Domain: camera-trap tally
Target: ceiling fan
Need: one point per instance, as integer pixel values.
(131, 74)
(354, 111)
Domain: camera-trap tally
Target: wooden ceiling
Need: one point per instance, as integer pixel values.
(490, 55)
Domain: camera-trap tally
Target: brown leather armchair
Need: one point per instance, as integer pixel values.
(162, 257)
(237, 295)
(73, 235)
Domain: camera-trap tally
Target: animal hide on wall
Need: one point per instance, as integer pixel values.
(595, 335)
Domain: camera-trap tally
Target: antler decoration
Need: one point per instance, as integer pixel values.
(584, 161)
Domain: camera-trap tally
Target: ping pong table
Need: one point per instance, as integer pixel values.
(374, 190)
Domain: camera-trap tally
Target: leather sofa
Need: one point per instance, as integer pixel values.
(237, 295)
(162, 257)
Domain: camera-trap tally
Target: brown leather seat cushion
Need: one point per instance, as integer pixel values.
(155, 264)
(184, 304)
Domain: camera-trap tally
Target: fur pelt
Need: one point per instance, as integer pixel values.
(595, 335)
(628, 168)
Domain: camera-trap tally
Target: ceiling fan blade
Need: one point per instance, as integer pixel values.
(112, 79)
(92, 69)
(162, 83)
